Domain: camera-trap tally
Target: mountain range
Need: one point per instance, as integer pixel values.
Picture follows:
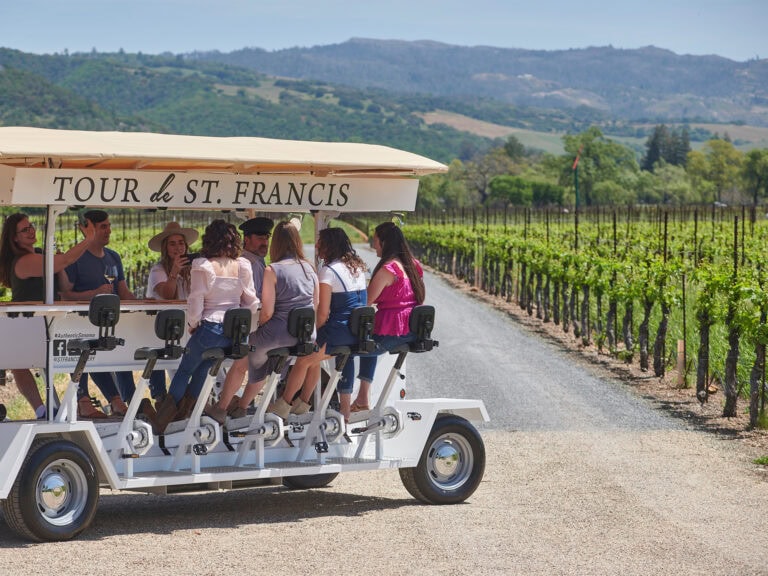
(434, 99)
(641, 84)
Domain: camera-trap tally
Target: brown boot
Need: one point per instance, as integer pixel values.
(186, 405)
(146, 408)
(166, 411)
(87, 410)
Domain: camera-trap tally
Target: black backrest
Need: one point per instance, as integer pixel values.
(301, 324)
(104, 310)
(169, 325)
(237, 327)
(361, 325)
(422, 321)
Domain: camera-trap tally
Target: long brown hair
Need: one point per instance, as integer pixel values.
(167, 262)
(8, 249)
(286, 243)
(334, 244)
(221, 239)
(394, 247)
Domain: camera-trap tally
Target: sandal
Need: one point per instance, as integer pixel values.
(88, 408)
(355, 407)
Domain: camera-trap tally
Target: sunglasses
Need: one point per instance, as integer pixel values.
(26, 229)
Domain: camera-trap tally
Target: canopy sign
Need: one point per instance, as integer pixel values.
(162, 189)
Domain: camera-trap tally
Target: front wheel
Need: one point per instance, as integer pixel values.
(451, 466)
(55, 494)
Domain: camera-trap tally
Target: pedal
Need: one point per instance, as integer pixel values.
(321, 447)
(200, 449)
(237, 434)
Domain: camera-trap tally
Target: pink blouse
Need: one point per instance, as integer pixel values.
(394, 304)
(211, 296)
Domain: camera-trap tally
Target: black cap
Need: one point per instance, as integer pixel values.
(261, 226)
(96, 216)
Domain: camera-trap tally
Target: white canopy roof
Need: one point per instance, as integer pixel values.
(21, 146)
(141, 170)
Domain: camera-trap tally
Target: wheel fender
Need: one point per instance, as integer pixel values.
(16, 439)
(418, 418)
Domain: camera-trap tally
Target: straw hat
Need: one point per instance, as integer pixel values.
(172, 229)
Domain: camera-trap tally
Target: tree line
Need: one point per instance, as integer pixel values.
(596, 170)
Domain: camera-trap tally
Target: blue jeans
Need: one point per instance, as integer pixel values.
(383, 344)
(193, 370)
(103, 380)
(110, 384)
(157, 384)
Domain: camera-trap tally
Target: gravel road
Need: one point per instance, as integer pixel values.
(582, 477)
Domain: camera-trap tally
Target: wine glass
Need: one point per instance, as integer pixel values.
(110, 273)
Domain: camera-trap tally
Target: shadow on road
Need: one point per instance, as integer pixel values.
(136, 513)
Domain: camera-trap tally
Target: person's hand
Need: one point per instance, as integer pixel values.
(192, 329)
(89, 230)
(179, 261)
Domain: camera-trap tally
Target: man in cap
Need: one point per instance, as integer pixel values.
(89, 276)
(256, 233)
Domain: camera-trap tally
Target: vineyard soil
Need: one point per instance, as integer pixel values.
(663, 392)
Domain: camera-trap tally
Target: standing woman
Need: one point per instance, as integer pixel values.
(220, 280)
(21, 269)
(397, 285)
(342, 288)
(169, 279)
(289, 282)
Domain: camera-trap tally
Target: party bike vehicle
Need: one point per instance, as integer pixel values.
(51, 471)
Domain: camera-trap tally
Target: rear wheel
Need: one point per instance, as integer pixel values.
(55, 494)
(451, 466)
(309, 481)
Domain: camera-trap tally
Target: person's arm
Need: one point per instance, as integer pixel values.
(31, 265)
(67, 291)
(248, 298)
(323, 306)
(124, 292)
(380, 280)
(198, 289)
(268, 286)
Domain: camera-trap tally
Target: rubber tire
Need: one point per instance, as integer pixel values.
(61, 459)
(309, 481)
(459, 436)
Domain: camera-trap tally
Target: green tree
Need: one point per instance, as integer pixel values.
(514, 148)
(754, 173)
(511, 190)
(724, 165)
(600, 160)
(478, 173)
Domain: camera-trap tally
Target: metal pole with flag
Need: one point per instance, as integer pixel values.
(576, 189)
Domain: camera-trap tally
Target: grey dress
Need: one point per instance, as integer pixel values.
(296, 281)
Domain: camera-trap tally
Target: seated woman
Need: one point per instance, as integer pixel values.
(397, 285)
(169, 279)
(289, 282)
(342, 288)
(220, 280)
(21, 269)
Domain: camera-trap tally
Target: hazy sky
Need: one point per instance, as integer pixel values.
(735, 29)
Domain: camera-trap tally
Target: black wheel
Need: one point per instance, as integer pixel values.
(451, 466)
(310, 481)
(55, 494)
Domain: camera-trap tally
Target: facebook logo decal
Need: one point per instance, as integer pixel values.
(59, 347)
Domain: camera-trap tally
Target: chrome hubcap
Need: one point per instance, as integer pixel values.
(62, 492)
(450, 461)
